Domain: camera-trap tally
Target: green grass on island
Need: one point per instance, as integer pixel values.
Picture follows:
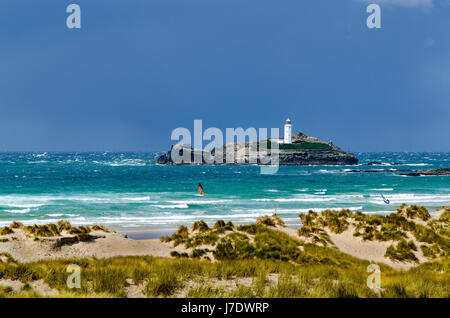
(259, 260)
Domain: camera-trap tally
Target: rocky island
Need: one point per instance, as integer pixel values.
(299, 149)
(429, 172)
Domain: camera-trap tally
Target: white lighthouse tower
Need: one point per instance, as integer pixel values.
(288, 132)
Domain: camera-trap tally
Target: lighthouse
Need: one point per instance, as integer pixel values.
(288, 132)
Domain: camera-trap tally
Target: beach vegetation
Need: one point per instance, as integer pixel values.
(6, 230)
(79, 230)
(179, 237)
(96, 227)
(64, 226)
(221, 225)
(338, 275)
(430, 251)
(414, 212)
(200, 226)
(266, 220)
(47, 230)
(16, 225)
(403, 252)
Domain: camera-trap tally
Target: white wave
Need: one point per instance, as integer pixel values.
(328, 171)
(146, 198)
(199, 202)
(173, 206)
(21, 211)
(271, 190)
(410, 198)
(296, 199)
(34, 201)
(122, 162)
(382, 189)
(31, 205)
(62, 214)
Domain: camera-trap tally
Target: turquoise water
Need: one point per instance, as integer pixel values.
(123, 192)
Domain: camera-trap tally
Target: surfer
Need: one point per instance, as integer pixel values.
(200, 189)
(385, 200)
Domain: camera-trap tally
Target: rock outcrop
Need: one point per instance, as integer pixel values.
(430, 172)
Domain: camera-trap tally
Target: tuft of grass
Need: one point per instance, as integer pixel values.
(336, 221)
(79, 230)
(64, 226)
(16, 225)
(270, 221)
(413, 212)
(402, 252)
(234, 246)
(179, 237)
(432, 251)
(198, 253)
(48, 230)
(96, 227)
(164, 283)
(221, 225)
(5, 231)
(200, 226)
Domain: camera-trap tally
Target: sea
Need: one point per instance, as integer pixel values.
(127, 193)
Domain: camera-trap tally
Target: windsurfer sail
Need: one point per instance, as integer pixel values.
(200, 189)
(385, 200)
(275, 213)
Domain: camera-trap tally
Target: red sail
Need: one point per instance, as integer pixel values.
(200, 189)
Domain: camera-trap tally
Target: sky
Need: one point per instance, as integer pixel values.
(137, 69)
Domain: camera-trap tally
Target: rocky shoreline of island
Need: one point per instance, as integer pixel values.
(303, 150)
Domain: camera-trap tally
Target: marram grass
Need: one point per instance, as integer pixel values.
(163, 277)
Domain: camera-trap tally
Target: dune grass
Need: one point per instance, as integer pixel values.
(337, 276)
(200, 234)
(52, 230)
(414, 212)
(403, 252)
(394, 227)
(6, 230)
